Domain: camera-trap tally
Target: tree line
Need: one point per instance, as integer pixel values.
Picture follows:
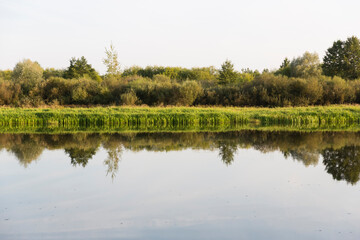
(302, 81)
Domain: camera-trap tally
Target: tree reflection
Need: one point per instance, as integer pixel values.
(80, 156)
(339, 149)
(112, 162)
(343, 163)
(303, 155)
(114, 147)
(227, 152)
(27, 149)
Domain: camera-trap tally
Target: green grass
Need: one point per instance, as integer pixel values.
(177, 118)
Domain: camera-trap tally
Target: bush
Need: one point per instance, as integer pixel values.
(337, 91)
(188, 92)
(58, 89)
(6, 75)
(9, 93)
(129, 98)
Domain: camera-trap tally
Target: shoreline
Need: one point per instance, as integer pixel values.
(118, 119)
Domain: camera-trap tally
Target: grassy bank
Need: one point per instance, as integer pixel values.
(176, 118)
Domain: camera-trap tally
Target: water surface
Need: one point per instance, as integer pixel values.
(231, 185)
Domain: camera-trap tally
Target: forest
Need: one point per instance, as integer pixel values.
(303, 81)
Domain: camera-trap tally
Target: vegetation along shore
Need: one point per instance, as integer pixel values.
(300, 93)
(302, 81)
(176, 118)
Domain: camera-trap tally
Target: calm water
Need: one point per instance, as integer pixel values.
(236, 185)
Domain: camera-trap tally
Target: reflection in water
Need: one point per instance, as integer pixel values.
(112, 162)
(80, 156)
(26, 148)
(227, 151)
(339, 150)
(343, 163)
(306, 157)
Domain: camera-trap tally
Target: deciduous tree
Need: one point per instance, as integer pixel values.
(308, 65)
(28, 74)
(111, 61)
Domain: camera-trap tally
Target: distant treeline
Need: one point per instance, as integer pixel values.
(302, 81)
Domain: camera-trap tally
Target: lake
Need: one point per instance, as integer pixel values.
(180, 185)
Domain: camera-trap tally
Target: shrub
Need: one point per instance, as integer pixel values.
(188, 92)
(129, 98)
(337, 91)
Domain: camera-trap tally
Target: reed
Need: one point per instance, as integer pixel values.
(177, 118)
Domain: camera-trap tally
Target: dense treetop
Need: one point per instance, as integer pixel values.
(79, 68)
(343, 59)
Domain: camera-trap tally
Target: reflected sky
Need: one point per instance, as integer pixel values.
(239, 185)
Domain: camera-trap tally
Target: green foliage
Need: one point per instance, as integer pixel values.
(304, 92)
(74, 91)
(111, 61)
(203, 74)
(79, 95)
(52, 72)
(175, 73)
(296, 83)
(80, 156)
(337, 91)
(161, 78)
(271, 90)
(352, 58)
(148, 72)
(57, 90)
(79, 68)
(245, 77)
(129, 98)
(284, 68)
(28, 151)
(308, 65)
(9, 93)
(131, 71)
(249, 89)
(122, 118)
(227, 74)
(343, 163)
(6, 75)
(188, 92)
(333, 60)
(28, 74)
(343, 59)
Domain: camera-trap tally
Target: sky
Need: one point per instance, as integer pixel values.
(255, 34)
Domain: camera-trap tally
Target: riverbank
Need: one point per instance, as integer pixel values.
(177, 118)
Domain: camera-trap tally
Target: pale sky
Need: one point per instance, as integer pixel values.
(254, 34)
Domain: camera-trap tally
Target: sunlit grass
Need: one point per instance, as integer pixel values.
(160, 118)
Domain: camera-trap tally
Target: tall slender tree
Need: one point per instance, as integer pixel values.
(111, 61)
